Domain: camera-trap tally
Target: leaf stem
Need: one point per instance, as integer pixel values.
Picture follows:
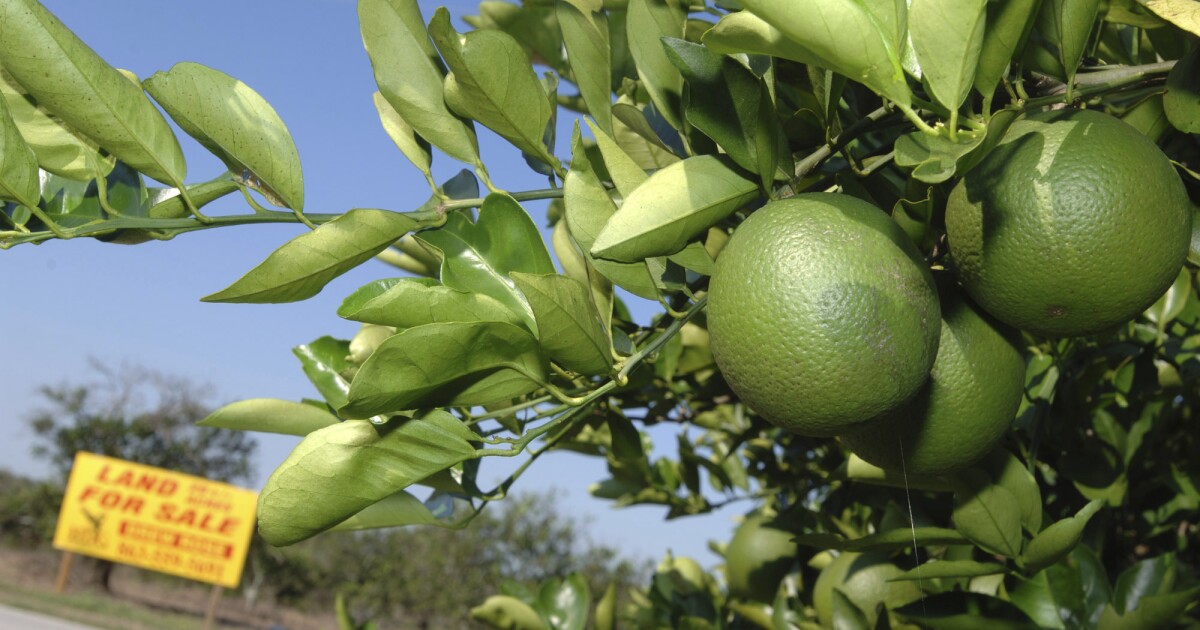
(658, 342)
(1102, 82)
(526, 195)
(179, 226)
(916, 120)
(811, 161)
(191, 205)
(500, 413)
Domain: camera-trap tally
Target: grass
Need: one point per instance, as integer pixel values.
(96, 609)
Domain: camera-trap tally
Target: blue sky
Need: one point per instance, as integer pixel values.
(67, 301)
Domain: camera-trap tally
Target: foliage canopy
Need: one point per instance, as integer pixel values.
(697, 113)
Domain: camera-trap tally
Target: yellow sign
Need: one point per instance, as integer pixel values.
(156, 519)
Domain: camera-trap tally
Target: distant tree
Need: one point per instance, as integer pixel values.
(28, 508)
(140, 415)
(431, 577)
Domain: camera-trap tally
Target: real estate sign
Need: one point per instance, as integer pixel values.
(156, 519)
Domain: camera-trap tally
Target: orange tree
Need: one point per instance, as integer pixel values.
(1071, 502)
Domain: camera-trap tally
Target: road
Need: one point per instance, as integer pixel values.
(17, 619)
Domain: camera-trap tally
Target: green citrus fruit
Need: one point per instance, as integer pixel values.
(863, 579)
(757, 559)
(822, 313)
(688, 574)
(508, 613)
(1075, 223)
(966, 407)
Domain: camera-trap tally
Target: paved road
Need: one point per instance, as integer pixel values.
(17, 619)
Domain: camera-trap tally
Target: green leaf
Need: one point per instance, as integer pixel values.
(646, 23)
(950, 569)
(649, 153)
(1173, 301)
(408, 73)
(576, 266)
(635, 120)
(1194, 245)
(731, 105)
(270, 415)
(1066, 26)
(453, 363)
(324, 361)
(492, 82)
(1182, 99)
(478, 257)
(566, 604)
(409, 302)
(585, 35)
(1056, 541)
(165, 203)
(915, 217)
(569, 328)
(1008, 26)
(845, 37)
(694, 257)
(588, 209)
(338, 471)
(1093, 582)
(71, 203)
(413, 146)
(1182, 13)
(988, 515)
(18, 164)
(675, 205)
(961, 610)
(403, 508)
(237, 125)
(885, 541)
(1009, 473)
(1152, 611)
(535, 26)
(542, 164)
(947, 36)
(1052, 598)
(935, 159)
(1153, 576)
(625, 173)
(59, 150)
(70, 80)
(626, 440)
(1145, 596)
(304, 265)
(858, 469)
(744, 32)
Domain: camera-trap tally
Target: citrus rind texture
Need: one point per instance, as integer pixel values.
(964, 410)
(1074, 224)
(822, 314)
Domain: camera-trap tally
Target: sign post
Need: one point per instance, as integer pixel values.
(156, 519)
